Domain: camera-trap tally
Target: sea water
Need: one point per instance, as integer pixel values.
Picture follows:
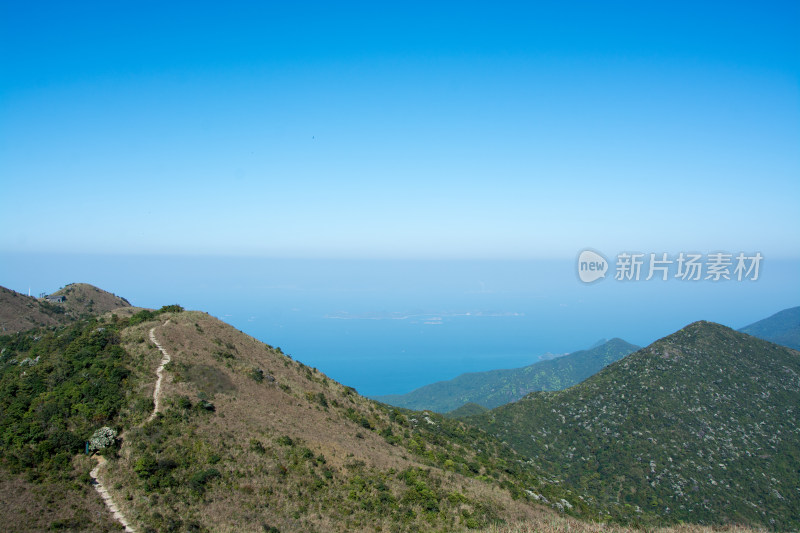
(389, 326)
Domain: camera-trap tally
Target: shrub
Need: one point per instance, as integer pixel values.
(141, 316)
(102, 438)
(321, 399)
(207, 406)
(305, 453)
(200, 479)
(257, 447)
(183, 402)
(66, 441)
(145, 466)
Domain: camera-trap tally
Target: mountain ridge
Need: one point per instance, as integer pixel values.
(497, 387)
(781, 328)
(243, 427)
(700, 425)
(19, 312)
(247, 439)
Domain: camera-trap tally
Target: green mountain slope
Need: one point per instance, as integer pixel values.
(702, 425)
(468, 409)
(781, 328)
(497, 387)
(246, 439)
(58, 385)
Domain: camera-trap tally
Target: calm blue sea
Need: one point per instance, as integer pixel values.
(391, 326)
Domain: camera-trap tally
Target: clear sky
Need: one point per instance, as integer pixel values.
(420, 130)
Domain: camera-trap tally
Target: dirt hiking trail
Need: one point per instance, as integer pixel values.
(101, 461)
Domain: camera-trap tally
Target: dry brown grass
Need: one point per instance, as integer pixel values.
(82, 298)
(270, 485)
(52, 505)
(562, 524)
(19, 312)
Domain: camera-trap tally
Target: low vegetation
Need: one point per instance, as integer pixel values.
(700, 426)
(62, 390)
(249, 440)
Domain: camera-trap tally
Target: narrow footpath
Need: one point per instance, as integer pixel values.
(98, 485)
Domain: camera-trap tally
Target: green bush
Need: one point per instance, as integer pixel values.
(285, 440)
(141, 316)
(257, 447)
(74, 380)
(200, 479)
(205, 405)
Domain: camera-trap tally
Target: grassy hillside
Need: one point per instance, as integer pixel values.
(247, 440)
(19, 312)
(498, 387)
(699, 426)
(468, 409)
(781, 328)
(253, 440)
(82, 299)
(58, 385)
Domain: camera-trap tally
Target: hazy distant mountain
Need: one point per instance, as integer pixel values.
(79, 299)
(702, 425)
(781, 328)
(497, 387)
(598, 342)
(548, 356)
(19, 312)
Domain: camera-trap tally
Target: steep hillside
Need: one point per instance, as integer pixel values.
(19, 312)
(468, 409)
(781, 328)
(498, 387)
(252, 440)
(702, 425)
(58, 385)
(244, 439)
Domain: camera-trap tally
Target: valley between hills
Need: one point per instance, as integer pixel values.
(696, 432)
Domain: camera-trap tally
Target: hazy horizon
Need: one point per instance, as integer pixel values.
(386, 326)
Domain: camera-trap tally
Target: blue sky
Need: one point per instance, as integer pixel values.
(330, 146)
(399, 130)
